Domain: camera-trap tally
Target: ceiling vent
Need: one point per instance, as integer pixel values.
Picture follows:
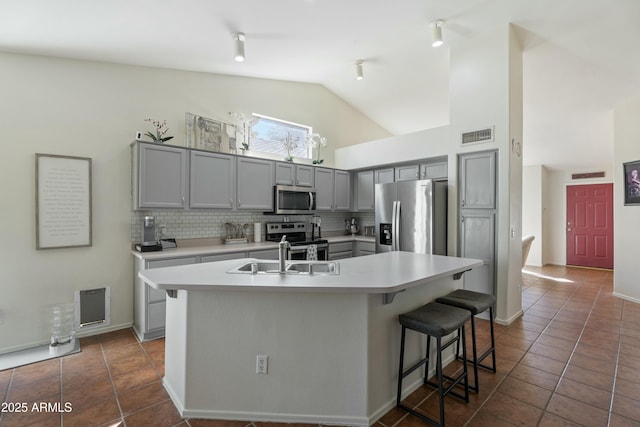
(476, 136)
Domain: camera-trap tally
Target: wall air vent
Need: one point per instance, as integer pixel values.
(476, 136)
(587, 175)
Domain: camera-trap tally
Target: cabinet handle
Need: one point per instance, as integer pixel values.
(463, 202)
(183, 201)
(462, 219)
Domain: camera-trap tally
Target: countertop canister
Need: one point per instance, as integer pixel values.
(257, 232)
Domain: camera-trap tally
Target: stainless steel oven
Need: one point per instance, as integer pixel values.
(289, 200)
(296, 233)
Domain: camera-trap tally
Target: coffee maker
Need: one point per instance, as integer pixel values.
(149, 242)
(149, 231)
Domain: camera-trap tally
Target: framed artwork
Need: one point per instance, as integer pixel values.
(63, 201)
(208, 134)
(632, 183)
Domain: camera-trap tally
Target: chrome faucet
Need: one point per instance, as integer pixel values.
(282, 254)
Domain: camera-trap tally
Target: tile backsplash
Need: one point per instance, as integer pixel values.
(197, 224)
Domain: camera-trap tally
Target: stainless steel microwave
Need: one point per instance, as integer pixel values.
(289, 200)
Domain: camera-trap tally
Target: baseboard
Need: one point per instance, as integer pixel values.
(626, 297)
(507, 322)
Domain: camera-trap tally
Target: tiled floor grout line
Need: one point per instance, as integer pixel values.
(113, 386)
(615, 371)
(584, 326)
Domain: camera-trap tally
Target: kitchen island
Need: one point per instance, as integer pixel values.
(331, 340)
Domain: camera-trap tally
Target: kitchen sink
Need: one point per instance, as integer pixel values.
(292, 267)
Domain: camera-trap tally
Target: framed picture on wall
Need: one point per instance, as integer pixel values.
(632, 183)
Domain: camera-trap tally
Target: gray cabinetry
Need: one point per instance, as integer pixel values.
(340, 250)
(291, 174)
(149, 303)
(222, 257)
(477, 225)
(478, 180)
(407, 173)
(385, 176)
(363, 191)
(364, 248)
(160, 176)
(324, 189)
(434, 170)
(341, 191)
(264, 254)
(255, 179)
(212, 180)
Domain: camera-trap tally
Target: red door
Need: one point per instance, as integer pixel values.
(590, 225)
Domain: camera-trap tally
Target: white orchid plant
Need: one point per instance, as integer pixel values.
(290, 143)
(243, 127)
(316, 141)
(161, 129)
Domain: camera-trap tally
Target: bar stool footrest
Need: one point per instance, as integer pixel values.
(419, 415)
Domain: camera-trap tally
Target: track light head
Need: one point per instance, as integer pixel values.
(359, 72)
(238, 39)
(437, 33)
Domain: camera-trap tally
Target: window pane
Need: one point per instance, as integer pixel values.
(268, 135)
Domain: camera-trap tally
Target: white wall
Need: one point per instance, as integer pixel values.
(627, 218)
(532, 208)
(92, 109)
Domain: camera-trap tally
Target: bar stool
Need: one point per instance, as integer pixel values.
(435, 320)
(475, 302)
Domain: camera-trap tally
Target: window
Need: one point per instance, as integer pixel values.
(268, 135)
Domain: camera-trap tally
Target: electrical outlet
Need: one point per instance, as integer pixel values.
(262, 364)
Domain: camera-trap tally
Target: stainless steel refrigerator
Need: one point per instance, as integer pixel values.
(411, 216)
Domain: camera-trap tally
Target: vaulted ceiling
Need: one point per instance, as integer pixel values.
(580, 56)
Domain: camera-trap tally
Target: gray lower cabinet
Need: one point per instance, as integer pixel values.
(159, 175)
(150, 304)
(364, 248)
(212, 180)
(254, 190)
(222, 257)
(363, 191)
(264, 254)
(340, 250)
(477, 237)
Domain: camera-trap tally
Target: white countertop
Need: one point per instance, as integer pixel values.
(380, 273)
(188, 251)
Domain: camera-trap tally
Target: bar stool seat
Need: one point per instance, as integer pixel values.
(475, 303)
(435, 320)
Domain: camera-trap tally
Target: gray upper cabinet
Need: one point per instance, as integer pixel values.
(160, 176)
(407, 173)
(292, 174)
(304, 176)
(212, 180)
(333, 190)
(478, 180)
(342, 191)
(285, 173)
(363, 191)
(434, 170)
(255, 178)
(324, 189)
(385, 176)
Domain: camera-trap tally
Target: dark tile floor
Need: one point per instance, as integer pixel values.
(572, 359)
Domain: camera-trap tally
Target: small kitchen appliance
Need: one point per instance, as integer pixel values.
(296, 235)
(351, 226)
(149, 242)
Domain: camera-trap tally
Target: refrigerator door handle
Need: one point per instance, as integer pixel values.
(393, 226)
(396, 223)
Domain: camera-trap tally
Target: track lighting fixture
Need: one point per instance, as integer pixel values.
(359, 73)
(437, 33)
(238, 39)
